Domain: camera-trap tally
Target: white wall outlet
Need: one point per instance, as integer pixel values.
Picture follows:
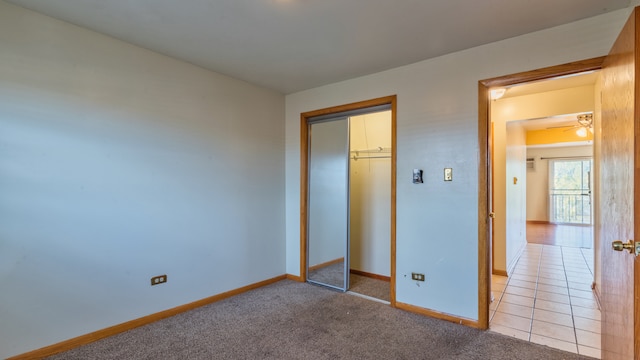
(160, 279)
(417, 276)
(448, 174)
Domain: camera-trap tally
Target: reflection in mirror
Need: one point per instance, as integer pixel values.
(328, 203)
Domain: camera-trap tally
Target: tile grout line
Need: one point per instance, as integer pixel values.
(573, 321)
(573, 317)
(586, 262)
(535, 292)
(566, 281)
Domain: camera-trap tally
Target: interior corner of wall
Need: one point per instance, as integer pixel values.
(512, 262)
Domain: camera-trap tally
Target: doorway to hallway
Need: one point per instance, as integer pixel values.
(547, 297)
(486, 201)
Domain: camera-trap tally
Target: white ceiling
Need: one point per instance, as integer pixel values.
(564, 82)
(292, 45)
(568, 120)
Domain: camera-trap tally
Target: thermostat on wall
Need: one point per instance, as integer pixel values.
(417, 176)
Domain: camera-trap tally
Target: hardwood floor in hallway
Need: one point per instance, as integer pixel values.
(580, 236)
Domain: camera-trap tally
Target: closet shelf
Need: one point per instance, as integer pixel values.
(378, 150)
(356, 158)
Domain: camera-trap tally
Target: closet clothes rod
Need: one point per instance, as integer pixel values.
(377, 150)
(565, 157)
(356, 158)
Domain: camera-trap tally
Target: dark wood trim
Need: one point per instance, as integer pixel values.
(326, 263)
(304, 155)
(543, 222)
(370, 275)
(484, 238)
(636, 182)
(304, 184)
(294, 278)
(500, 272)
(545, 73)
(350, 107)
(438, 315)
(394, 170)
(126, 326)
(484, 165)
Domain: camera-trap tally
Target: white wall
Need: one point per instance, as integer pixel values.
(118, 164)
(437, 222)
(371, 195)
(538, 178)
(516, 193)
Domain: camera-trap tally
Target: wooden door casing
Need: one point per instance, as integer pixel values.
(485, 238)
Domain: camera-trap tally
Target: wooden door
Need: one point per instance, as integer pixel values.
(620, 196)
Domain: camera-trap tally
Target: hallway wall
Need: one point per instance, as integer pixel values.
(515, 195)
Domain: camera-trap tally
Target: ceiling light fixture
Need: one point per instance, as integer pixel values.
(585, 122)
(496, 94)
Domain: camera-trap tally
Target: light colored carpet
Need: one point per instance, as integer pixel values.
(290, 320)
(331, 274)
(334, 275)
(375, 288)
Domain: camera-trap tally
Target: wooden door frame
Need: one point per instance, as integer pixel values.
(304, 181)
(485, 247)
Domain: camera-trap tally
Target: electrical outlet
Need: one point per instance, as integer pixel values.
(417, 277)
(160, 279)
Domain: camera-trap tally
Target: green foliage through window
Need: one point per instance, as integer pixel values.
(570, 191)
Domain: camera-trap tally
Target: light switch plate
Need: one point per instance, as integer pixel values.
(417, 176)
(448, 174)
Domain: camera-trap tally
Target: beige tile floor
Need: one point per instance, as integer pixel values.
(548, 300)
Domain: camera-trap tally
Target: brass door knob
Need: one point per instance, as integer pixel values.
(630, 245)
(492, 215)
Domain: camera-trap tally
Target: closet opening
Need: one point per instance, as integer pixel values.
(348, 198)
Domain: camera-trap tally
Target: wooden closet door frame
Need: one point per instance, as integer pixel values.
(304, 181)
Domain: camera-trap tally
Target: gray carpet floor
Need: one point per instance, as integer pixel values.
(334, 275)
(378, 289)
(290, 320)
